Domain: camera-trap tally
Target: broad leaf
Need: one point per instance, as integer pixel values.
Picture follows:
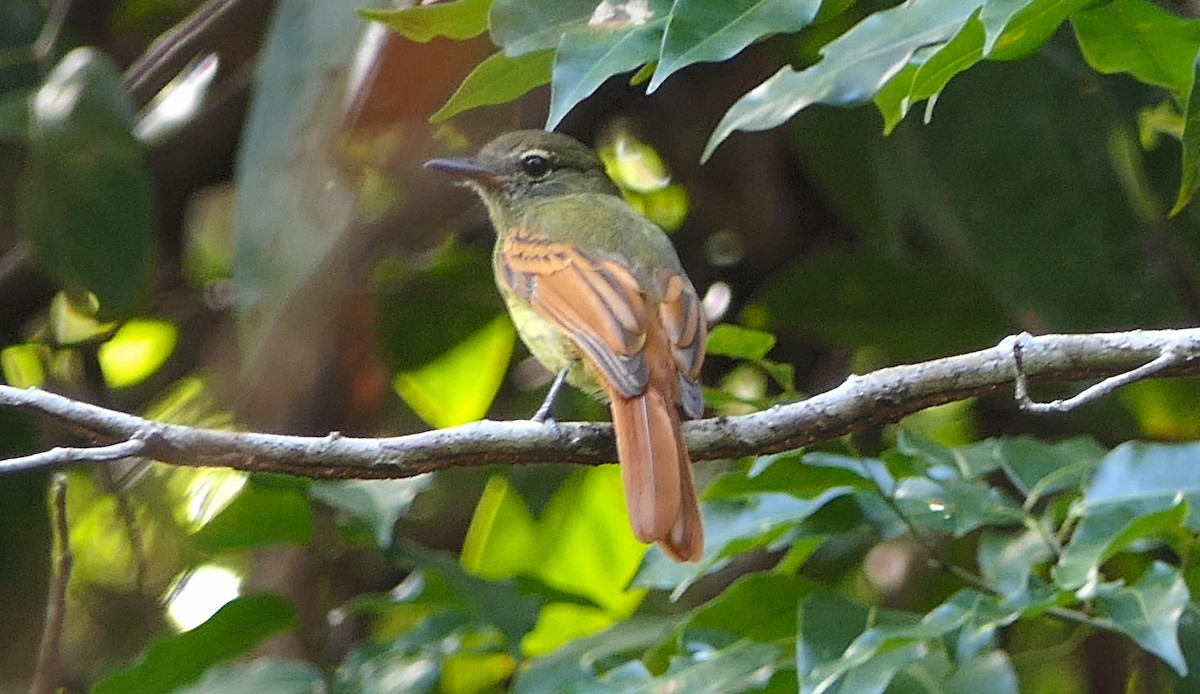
(758, 606)
(1149, 612)
(270, 509)
(1108, 529)
(172, 661)
(728, 340)
(1190, 175)
(580, 660)
(497, 80)
(703, 31)
(853, 67)
(378, 504)
(1140, 38)
(267, 674)
(523, 26)
(456, 20)
(1007, 560)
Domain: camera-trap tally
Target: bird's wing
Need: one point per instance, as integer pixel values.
(600, 304)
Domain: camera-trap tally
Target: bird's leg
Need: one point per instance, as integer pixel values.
(543, 412)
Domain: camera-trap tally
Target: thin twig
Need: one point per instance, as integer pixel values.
(62, 456)
(167, 56)
(1169, 357)
(45, 677)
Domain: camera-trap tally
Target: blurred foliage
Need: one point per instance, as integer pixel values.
(967, 549)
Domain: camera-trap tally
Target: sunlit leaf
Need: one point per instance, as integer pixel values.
(728, 340)
(1149, 612)
(458, 386)
(21, 365)
(497, 80)
(175, 660)
(136, 351)
(701, 31)
(456, 20)
(1190, 175)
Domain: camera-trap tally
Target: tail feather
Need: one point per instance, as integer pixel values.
(657, 473)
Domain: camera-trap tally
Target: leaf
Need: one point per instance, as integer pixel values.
(1151, 472)
(270, 509)
(1149, 612)
(85, 201)
(1139, 38)
(455, 20)
(497, 80)
(1106, 530)
(758, 606)
(728, 340)
(523, 26)
(579, 660)
(266, 674)
(378, 504)
(1007, 560)
(1029, 27)
(1189, 179)
(589, 55)
(853, 67)
(954, 505)
(458, 387)
(701, 31)
(176, 660)
(738, 667)
(932, 76)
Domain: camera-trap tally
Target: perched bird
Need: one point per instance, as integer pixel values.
(597, 293)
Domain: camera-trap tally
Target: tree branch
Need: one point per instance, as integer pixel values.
(861, 401)
(45, 678)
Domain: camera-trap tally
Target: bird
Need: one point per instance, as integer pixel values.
(597, 293)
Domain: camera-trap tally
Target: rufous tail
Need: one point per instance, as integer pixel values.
(656, 470)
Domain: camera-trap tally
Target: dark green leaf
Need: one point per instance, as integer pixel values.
(1140, 38)
(954, 505)
(1151, 472)
(1149, 612)
(589, 55)
(269, 674)
(456, 20)
(742, 666)
(414, 658)
(523, 26)
(728, 340)
(1038, 469)
(1190, 175)
(378, 504)
(497, 80)
(990, 672)
(802, 477)
(176, 660)
(758, 606)
(266, 511)
(579, 660)
(702, 31)
(86, 202)
(1007, 560)
(853, 67)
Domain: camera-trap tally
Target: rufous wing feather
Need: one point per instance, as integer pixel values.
(644, 346)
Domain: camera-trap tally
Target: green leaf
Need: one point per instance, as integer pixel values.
(1189, 179)
(728, 340)
(1147, 472)
(523, 26)
(458, 387)
(270, 509)
(758, 606)
(1030, 27)
(1038, 469)
(456, 20)
(853, 67)
(990, 672)
(497, 80)
(176, 660)
(86, 202)
(954, 505)
(729, 669)
(1139, 38)
(1007, 560)
(269, 674)
(733, 529)
(1106, 530)
(579, 661)
(701, 31)
(378, 504)
(589, 55)
(803, 477)
(1149, 612)
(414, 658)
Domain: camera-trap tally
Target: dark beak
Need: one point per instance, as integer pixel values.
(463, 168)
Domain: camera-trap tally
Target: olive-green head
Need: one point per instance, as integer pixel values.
(521, 168)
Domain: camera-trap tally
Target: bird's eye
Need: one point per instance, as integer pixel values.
(535, 165)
